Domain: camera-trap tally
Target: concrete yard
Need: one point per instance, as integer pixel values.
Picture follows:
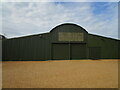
(60, 74)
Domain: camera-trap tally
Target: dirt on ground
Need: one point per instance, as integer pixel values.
(60, 74)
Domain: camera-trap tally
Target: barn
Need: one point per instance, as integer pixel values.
(67, 41)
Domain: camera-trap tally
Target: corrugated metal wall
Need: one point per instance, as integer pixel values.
(67, 28)
(64, 36)
(108, 47)
(44, 46)
(26, 48)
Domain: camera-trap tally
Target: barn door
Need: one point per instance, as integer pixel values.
(60, 51)
(94, 52)
(78, 51)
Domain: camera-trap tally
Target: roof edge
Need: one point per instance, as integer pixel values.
(27, 36)
(68, 24)
(104, 37)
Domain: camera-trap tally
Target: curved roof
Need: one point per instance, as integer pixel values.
(68, 24)
(2, 37)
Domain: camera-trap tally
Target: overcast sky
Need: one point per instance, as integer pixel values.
(28, 18)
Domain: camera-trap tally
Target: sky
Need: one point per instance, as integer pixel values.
(28, 18)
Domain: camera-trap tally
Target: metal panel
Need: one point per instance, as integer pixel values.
(68, 33)
(94, 52)
(71, 36)
(109, 46)
(60, 51)
(27, 48)
(38, 47)
(78, 51)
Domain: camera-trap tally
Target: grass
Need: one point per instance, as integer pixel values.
(60, 74)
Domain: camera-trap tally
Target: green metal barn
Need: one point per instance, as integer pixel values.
(64, 42)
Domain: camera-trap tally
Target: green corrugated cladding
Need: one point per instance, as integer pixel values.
(39, 47)
(109, 47)
(27, 48)
(0, 49)
(67, 28)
